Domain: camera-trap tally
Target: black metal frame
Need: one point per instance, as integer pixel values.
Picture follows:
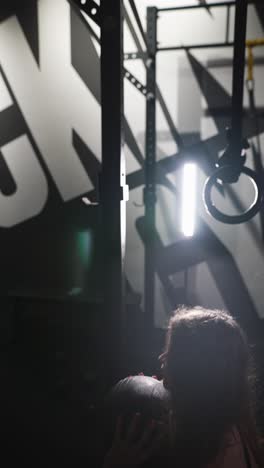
(150, 171)
(90, 8)
(197, 7)
(238, 78)
(168, 165)
(113, 188)
(200, 6)
(226, 43)
(94, 12)
(150, 163)
(150, 152)
(113, 179)
(152, 93)
(196, 46)
(144, 55)
(135, 82)
(231, 163)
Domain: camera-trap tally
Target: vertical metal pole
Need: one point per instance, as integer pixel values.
(227, 23)
(112, 181)
(150, 171)
(238, 77)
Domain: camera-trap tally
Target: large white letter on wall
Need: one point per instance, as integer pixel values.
(52, 98)
(32, 190)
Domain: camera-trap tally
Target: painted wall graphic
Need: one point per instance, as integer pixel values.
(50, 141)
(48, 147)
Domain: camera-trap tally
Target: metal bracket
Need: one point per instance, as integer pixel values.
(139, 86)
(124, 193)
(135, 56)
(149, 196)
(90, 8)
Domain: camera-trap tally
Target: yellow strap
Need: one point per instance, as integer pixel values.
(250, 44)
(250, 75)
(255, 42)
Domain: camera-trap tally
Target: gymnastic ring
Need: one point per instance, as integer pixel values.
(233, 219)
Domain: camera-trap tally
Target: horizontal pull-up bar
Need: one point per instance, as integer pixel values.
(196, 46)
(196, 7)
(208, 5)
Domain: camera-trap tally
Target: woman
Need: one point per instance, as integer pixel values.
(207, 370)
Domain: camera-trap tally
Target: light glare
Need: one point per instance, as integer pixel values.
(86, 201)
(189, 199)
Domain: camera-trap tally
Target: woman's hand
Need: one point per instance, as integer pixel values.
(129, 449)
